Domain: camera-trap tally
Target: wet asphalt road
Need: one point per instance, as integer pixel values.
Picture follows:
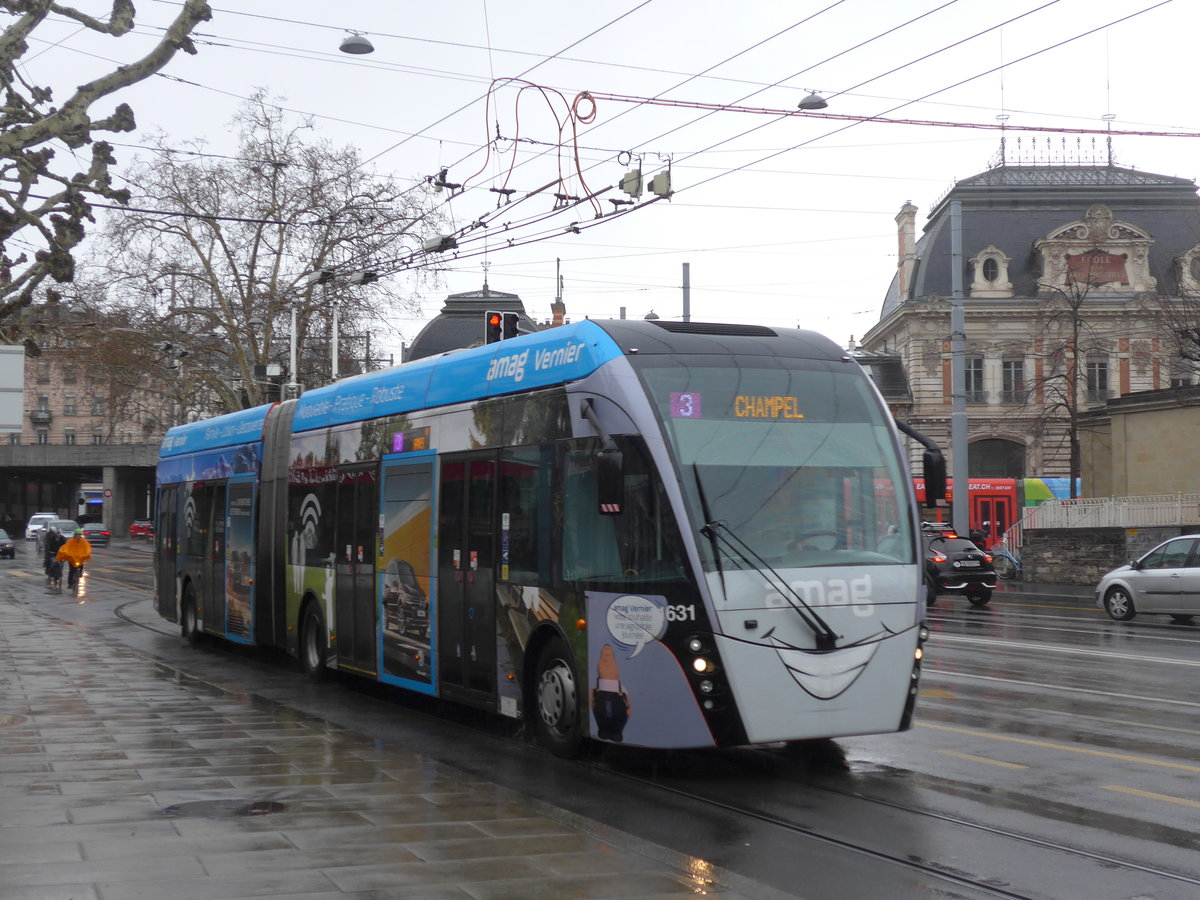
(1055, 755)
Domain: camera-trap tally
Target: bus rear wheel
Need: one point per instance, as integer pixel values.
(313, 644)
(189, 625)
(556, 701)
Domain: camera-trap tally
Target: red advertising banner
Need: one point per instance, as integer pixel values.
(1097, 268)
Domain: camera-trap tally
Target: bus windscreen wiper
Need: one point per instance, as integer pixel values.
(717, 531)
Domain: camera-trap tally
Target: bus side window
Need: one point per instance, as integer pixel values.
(525, 499)
(589, 540)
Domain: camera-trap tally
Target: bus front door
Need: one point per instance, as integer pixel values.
(466, 585)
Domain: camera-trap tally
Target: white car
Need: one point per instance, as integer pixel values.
(37, 522)
(1165, 581)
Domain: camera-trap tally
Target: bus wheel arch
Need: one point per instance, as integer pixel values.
(314, 640)
(555, 699)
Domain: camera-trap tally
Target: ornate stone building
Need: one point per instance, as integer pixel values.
(1065, 269)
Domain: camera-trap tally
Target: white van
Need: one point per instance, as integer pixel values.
(37, 522)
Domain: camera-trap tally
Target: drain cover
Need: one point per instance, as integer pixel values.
(221, 809)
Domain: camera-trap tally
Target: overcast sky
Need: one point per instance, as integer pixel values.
(784, 220)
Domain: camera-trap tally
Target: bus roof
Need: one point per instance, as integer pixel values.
(531, 361)
(242, 427)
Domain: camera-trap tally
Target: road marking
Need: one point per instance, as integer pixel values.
(1050, 745)
(1108, 695)
(1150, 795)
(1107, 720)
(1073, 651)
(937, 693)
(982, 759)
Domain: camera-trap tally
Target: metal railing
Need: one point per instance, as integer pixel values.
(1116, 512)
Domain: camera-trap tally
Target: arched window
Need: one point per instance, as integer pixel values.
(996, 458)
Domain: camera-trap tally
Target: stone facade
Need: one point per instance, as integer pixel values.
(1084, 555)
(1143, 443)
(1061, 267)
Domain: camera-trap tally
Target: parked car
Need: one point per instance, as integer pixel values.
(7, 547)
(97, 534)
(954, 565)
(37, 522)
(141, 528)
(1165, 581)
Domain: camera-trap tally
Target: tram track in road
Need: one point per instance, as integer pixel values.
(1003, 844)
(947, 876)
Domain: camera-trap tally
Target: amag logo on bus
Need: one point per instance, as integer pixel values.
(513, 365)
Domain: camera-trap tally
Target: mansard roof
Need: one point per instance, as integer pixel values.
(1012, 206)
(460, 323)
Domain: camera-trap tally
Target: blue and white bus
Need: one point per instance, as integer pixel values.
(657, 533)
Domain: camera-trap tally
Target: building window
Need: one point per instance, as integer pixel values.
(973, 385)
(1013, 389)
(70, 375)
(43, 436)
(14, 437)
(68, 435)
(97, 438)
(97, 406)
(43, 371)
(991, 270)
(69, 404)
(43, 403)
(1097, 380)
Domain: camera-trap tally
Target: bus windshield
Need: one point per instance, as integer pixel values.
(796, 458)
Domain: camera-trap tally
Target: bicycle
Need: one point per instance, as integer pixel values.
(1007, 565)
(54, 574)
(74, 579)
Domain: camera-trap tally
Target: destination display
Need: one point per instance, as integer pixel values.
(690, 405)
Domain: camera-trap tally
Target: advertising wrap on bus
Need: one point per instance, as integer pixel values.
(662, 534)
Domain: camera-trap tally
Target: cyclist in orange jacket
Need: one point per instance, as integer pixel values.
(75, 552)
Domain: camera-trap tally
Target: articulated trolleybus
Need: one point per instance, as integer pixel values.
(664, 534)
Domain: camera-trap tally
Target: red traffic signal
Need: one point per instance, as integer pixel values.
(493, 327)
(499, 326)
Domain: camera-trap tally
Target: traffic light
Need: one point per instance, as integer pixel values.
(493, 325)
(511, 329)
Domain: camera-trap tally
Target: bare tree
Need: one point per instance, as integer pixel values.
(236, 247)
(44, 204)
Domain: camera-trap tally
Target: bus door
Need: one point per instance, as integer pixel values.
(466, 582)
(355, 527)
(211, 594)
(405, 575)
(164, 541)
(239, 559)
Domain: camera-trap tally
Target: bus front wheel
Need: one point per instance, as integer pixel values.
(556, 701)
(313, 644)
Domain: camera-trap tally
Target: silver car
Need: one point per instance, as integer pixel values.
(1165, 581)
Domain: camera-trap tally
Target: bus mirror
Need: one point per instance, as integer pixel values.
(934, 464)
(610, 482)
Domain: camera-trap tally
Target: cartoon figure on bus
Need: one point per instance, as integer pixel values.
(610, 703)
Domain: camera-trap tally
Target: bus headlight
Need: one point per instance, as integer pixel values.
(707, 687)
(696, 645)
(700, 665)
